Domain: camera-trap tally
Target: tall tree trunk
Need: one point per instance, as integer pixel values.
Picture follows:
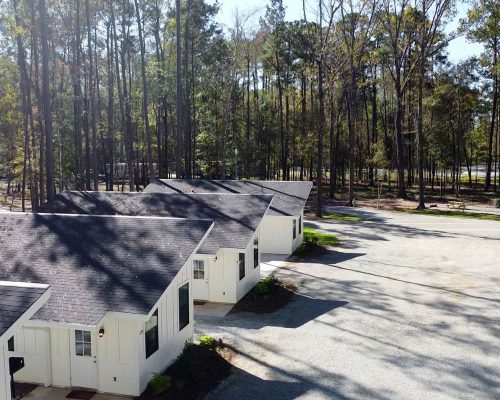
(187, 99)
(145, 96)
(36, 63)
(332, 148)
(77, 101)
(420, 130)
(321, 130)
(26, 106)
(178, 100)
(111, 93)
(49, 152)
(129, 149)
(162, 112)
(351, 118)
(487, 183)
(92, 97)
(280, 113)
(399, 138)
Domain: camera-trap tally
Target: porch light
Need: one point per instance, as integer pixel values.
(101, 331)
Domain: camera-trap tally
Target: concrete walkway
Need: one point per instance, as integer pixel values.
(407, 308)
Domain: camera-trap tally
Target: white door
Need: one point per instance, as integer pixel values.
(200, 279)
(83, 359)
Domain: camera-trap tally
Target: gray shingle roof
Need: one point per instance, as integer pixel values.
(15, 301)
(96, 264)
(289, 196)
(236, 216)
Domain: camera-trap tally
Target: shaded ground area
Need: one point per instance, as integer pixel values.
(268, 296)
(406, 308)
(198, 370)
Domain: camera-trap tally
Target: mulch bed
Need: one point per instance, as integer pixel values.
(311, 250)
(279, 297)
(195, 373)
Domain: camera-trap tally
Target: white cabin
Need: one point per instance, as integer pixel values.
(121, 307)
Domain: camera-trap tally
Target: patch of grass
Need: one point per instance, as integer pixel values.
(194, 374)
(160, 383)
(315, 241)
(323, 239)
(343, 217)
(455, 214)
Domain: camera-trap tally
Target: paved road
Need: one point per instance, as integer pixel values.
(407, 308)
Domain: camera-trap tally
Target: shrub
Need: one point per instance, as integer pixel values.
(266, 285)
(313, 238)
(207, 341)
(160, 383)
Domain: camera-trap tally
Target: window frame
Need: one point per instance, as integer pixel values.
(242, 265)
(300, 224)
(183, 308)
(83, 342)
(197, 270)
(294, 229)
(152, 332)
(256, 257)
(11, 344)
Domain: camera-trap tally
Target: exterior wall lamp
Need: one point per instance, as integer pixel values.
(101, 331)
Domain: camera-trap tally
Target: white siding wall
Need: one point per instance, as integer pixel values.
(277, 234)
(117, 353)
(117, 357)
(252, 275)
(121, 362)
(61, 362)
(171, 340)
(222, 277)
(300, 236)
(34, 345)
(4, 375)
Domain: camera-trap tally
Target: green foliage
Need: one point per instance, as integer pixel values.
(456, 214)
(314, 238)
(160, 383)
(208, 341)
(266, 285)
(343, 217)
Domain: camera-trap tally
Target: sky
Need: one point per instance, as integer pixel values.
(459, 49)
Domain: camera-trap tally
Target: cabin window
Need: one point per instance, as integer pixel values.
(241, 264)
(151, 336)
(199, 269)
(300, 224)
(83, 343)
(10, 344)
(294, 228)
(183, 306)
(256, 252)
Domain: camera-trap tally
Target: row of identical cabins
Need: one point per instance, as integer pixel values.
(97, 289)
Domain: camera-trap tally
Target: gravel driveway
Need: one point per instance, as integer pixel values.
(407, 308)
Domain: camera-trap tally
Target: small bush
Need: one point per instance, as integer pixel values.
(266, 285)
(160, 383)
(313, 238)
(208, 341)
